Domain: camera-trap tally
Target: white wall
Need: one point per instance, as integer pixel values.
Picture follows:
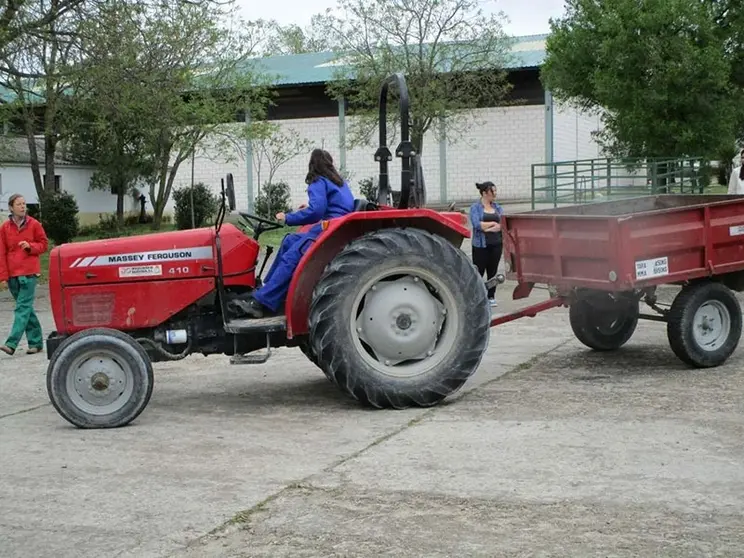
(501, 146)
(572, 134)
(18, 178)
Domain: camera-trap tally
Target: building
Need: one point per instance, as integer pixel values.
(501, 147)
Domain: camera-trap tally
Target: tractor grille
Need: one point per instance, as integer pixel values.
(93, 309)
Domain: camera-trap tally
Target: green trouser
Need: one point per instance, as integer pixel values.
(25, 321)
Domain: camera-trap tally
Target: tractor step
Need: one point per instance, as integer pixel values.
(251, 358)
(251, 325)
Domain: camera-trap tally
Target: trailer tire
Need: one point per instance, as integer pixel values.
(425, 347)
(583, 315)
(700, 310)
(121, 359)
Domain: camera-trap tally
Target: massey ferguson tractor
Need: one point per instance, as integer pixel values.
(384, 302)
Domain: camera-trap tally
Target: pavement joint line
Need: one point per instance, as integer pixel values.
(243, 517)
(24, 411)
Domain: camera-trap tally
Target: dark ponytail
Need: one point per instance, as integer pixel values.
(484, 187)
(741, 168)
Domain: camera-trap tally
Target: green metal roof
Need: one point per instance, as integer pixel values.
(319, 67)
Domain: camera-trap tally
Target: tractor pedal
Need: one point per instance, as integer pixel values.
(250, 325)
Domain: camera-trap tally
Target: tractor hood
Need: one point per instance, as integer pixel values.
(158, 256)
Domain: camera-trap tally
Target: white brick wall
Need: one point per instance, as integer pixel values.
(572, 134)
(501, 146)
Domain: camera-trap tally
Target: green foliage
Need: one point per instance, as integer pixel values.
(168, 77)
(659, 71)
(273, 198)
(59, 216)
(205, 206)
(368, 188)
(451, 53)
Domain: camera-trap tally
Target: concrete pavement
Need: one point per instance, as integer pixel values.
(550, 450)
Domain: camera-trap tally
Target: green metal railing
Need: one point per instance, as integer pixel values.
(593, 180)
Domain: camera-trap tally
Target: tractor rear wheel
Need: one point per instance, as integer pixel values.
(99, 378)
(400, 318)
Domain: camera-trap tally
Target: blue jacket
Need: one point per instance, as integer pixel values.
(476, 216)
(325, 201)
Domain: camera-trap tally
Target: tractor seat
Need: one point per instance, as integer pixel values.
(364, 205)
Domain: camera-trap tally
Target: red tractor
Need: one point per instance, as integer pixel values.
(384, 302)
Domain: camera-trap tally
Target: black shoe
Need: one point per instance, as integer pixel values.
(250, 308)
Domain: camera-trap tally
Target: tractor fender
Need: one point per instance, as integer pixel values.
(339, 232)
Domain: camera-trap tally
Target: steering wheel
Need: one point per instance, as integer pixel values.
(259, 224)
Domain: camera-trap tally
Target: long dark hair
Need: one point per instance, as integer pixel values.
(321, 164)
(741, 169)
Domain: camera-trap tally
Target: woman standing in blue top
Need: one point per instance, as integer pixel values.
(329, 196)
(485, 217)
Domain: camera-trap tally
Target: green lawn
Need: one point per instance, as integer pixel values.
(272, 238)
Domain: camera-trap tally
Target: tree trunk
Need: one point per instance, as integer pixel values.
(120, 190)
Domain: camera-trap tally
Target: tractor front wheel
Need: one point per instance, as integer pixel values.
(100, 378)
(400, 318)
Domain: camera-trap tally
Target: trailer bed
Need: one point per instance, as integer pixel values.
(627, 244)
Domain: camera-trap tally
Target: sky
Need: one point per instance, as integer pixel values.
(526, 17)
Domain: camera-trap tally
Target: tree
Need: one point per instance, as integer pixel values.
(660, 71)
(108, 105)
(270, 38)
(277, 148)
(37, 68)
(450, 52)
(165, 82)
(20, 19)
(199, 78)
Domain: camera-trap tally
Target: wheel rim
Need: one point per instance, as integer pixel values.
(100, 382)
(711, 325)
(609, 323)
(404, 322)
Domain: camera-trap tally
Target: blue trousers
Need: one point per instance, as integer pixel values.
(273, 292)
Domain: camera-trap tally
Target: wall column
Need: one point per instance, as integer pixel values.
(248, 163)
(442, 159)
(342, 134)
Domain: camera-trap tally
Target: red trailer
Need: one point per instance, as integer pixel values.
(601, 260)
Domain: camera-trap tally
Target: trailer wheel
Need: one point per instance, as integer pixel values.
(604, 324)
(99, 378)
(704, 326)
(400, 318)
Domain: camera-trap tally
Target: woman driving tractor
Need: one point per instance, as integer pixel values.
(329, 196)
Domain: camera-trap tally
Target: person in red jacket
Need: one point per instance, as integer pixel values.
(22, 241)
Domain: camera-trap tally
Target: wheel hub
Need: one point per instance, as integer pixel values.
(400, 321)
(711, 325)
(96, 383)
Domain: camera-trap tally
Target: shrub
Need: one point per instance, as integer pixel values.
(205, 206)
(59, 216)
(368, 189)
(272, 199)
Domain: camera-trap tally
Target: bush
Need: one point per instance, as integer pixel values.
(205, 206)
(272, 199)
(368, 189)
(59, 216)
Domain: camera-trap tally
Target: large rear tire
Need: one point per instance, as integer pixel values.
(705, 324)
(100, 378)
(603, 323)
(400, 318)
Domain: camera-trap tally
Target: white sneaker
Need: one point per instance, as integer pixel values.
(492, 302)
